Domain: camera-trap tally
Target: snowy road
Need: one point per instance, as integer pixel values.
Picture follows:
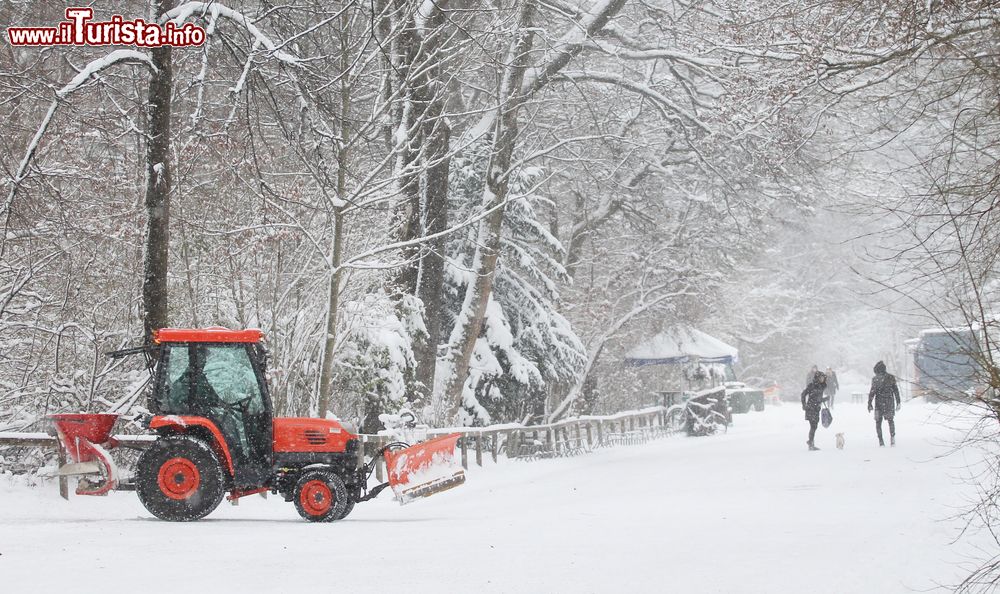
(750, 511)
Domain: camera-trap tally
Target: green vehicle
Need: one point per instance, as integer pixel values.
(742, 397)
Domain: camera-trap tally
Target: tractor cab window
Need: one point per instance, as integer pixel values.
(231, 377)
(218, 381)
(177, 384)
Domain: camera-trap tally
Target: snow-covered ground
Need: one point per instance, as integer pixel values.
(749, 511)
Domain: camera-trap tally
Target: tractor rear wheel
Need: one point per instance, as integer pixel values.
(321, 496)
(180, 479)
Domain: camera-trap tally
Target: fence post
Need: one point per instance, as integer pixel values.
(465, 451)
(590, 435)
(479, 449)
(550, 445)
(380, 463)
(361, 451)
(494, 445)
(63, 480)
(600, 433)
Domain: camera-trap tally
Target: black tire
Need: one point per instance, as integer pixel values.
(180, 479)
(758, 406)
(348, 508)
(321, 496)
(353, 494)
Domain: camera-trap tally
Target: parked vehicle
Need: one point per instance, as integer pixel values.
(742, 397)
(949, 363)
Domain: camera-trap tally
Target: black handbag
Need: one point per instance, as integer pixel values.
(826, 417)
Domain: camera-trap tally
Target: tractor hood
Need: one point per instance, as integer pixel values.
(310, 435)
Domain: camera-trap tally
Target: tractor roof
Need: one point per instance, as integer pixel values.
(213, 334)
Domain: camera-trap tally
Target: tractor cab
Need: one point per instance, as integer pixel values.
(219, 375)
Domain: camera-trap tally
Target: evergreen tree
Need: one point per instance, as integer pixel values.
(525, 345)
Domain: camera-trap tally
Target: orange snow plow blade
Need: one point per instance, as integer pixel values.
(424, 469)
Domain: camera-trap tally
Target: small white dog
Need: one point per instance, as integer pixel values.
(840, 441)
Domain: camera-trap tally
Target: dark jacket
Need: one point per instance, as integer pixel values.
(813, 399)
(884, 391)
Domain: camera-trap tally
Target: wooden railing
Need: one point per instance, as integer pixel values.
(564, 438)
(44, 440)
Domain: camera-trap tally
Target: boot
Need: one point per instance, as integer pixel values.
(892, 440)
(881, 443)
(812, 448)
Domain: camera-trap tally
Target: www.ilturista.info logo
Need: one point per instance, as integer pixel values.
(79, 29)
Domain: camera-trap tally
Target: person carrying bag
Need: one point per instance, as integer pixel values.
(812, 400)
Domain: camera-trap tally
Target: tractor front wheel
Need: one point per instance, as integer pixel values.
(179, 478)
(321, 496)
(348, 508)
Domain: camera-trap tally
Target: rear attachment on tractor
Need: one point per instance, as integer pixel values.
(86, 439)
(423, 469)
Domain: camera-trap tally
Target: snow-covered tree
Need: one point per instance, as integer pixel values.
(526, 345)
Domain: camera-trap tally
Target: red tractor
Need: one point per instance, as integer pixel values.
(215, 432)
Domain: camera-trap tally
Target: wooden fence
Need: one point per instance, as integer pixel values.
(515, 441)
(564, 438)
(47, 441)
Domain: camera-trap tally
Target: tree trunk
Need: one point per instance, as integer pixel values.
(477, 295)
(427, 142)
(155, 264)
(333, 306)
(337, 246)
(432, 265)
(407, 139)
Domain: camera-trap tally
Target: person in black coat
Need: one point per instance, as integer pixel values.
(812, 401)
(885, 393)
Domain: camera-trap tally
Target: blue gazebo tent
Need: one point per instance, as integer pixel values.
(678, 346)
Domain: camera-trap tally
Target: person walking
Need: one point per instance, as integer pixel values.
(885, 394)
(812, 401)
(832, 385)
